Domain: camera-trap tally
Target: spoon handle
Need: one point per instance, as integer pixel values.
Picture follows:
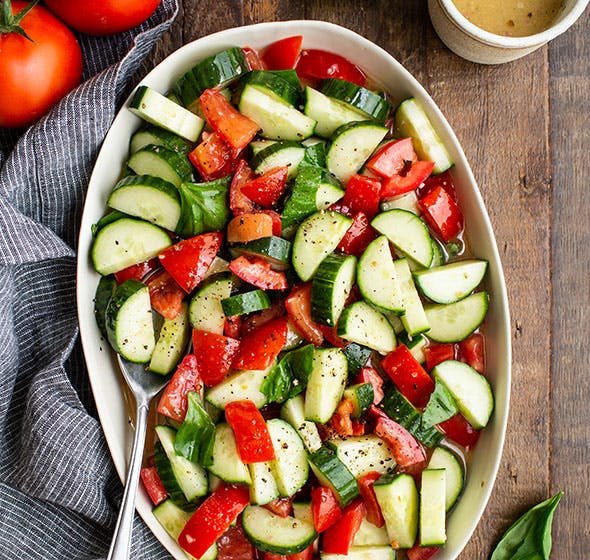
(122, 538)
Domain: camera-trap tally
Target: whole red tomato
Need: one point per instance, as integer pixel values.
(36, 73)
(103, 17)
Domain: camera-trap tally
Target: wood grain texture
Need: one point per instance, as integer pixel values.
(525, 127)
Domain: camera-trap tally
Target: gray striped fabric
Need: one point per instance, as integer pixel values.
(59, 493)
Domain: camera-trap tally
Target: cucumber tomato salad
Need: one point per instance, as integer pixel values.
(286, 244)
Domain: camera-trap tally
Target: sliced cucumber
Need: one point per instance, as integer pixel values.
(411, 120)
(361, 395)
(333, 473)
(432, 508)
(364, 454)
(246, 302)
(275, 250)
(227, 464)
(205, 310)
(150, 198)
(104, 291)
(302, 510)
(357, 357)
(331, 287)
(277, 119)
(398, 498)
(414, 319)
(317, 237)
(274, 82)
(415, 344)
(377, 277)
(370, 535)
(161, 162)
(129, 322)
(125, 242)
(279, 535)
(358, 97)
(407, 232)
(451, 282)
(443, 458)
(171, 517)
(278, 154)
(407, 201)
(293, 411)
(264, 487)
(352, 144)
(157, 109)
(158, 137)
(470, 389)
(364, 325)
(456, 321)
(362, 553)
(242, 384)
(172, 342)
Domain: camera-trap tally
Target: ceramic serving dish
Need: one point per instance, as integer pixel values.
(384, 70)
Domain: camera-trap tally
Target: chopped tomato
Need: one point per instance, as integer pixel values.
(339, 537)
(252, 437)
(248, 227)
(409, 179)
(298, 305)
(253, 59)
(460, 431)
(188, 261)
(212, 518)
(422, 552)
(165, 294)
(358, 236)
(214, 353)
(233, 545)
(443, 180)
(213, 157)
(363, 195)
(233, 127)
(374, 514)
(437, 353)
(369, 375)
(358, 427)
(392, 158)
(239, 203)
(442, 213)
(331, 336)
(255, 320)
(281, 506)
(261, 346)
(258, 272)
(277, 223)
(153, 485)
(409, 376)
(136, 271)
(407, 452)
(282, 54)
(267, 189)
(472, 352)
(186, 379)
(317, 64)
(232, 326)
(341, 421)
(324, 508)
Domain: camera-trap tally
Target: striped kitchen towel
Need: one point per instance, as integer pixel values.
(59, 493)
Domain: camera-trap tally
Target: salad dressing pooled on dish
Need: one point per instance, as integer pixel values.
(511, 18)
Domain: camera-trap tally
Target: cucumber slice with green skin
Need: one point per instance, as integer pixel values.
(333, 473)
(408, 233)
(395, 322)
(414, 320)
(331, 287)
(377, 277)
(303, 511)
(293, 411)
(363, 454)
(149, 198)
(158, 137)
(205, 310)
(280, 535)
(227, 464)
(330, 114)
(362, 99)
(171, 344)
(317, 237)
(411, 120)
(451, 282)
(290, 467)
(438, 258)
(369, 535)
(443, 458)
(364, 325)
(315, 152)
(161, 162)
(157, 109)
(277, 119)
(217, 70)
(407, 201)
(258, 145)
(398, 498)
(275, 82)
(432, 508)
(125, 242)
(107, 219)
(352, 144)
(415, 345)
(247, 302)
(191, 478)
(275, 250)
(326, 384)
(471, 391)
(264, 488)
(361, 396)
(129, 322)
(167, 476)
(362, 553)
(104, 291)
(456, 321)
(357, 357)
(278, 154)
(246, 384)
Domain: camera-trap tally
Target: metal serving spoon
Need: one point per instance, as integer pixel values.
(144, 385)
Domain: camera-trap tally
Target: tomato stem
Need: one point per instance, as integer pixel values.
(10, 23)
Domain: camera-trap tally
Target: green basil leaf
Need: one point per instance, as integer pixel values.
(441, 406)
(278, 382)
(196, 435)
(530, 537)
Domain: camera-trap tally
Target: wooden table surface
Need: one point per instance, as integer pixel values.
(525, 127)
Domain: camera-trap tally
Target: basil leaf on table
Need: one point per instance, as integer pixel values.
(530, 537)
